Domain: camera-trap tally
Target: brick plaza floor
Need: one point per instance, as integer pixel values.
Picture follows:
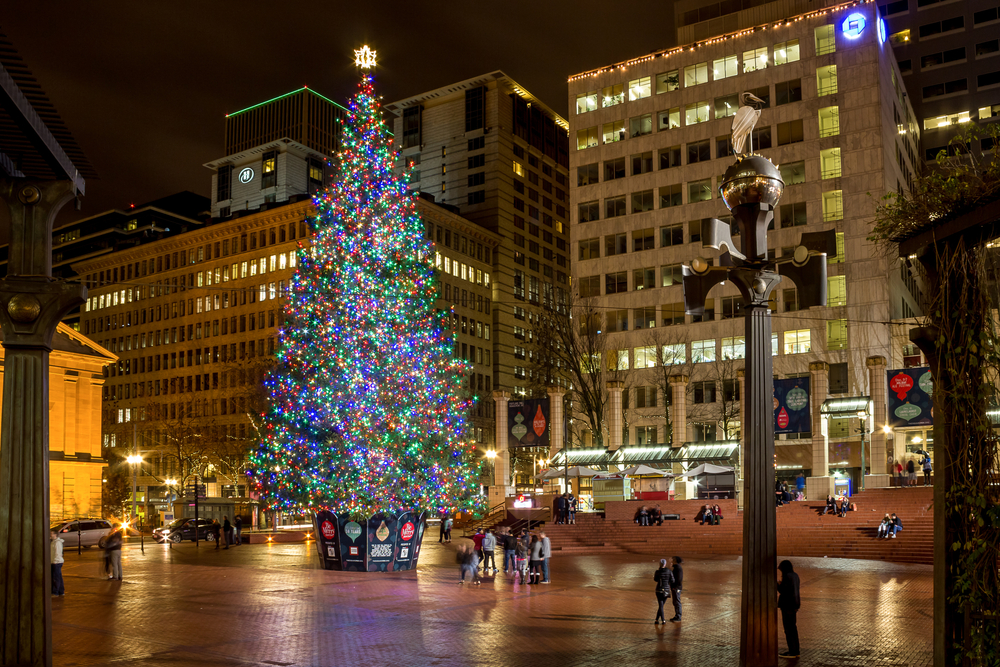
(271, 605)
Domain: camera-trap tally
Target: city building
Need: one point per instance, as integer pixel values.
(276, 151)
(76, 377)
(118, 229)
(946, 52)
(193, 321)
(489, 147)
(652, 139)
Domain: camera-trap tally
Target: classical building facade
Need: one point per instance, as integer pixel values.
(651, 141)
(76, 377)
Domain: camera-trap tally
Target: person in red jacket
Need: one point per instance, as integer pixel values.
(477, 541)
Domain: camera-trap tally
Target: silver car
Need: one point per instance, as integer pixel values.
(85, 532)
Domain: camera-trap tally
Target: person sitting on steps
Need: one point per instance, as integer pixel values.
(885, 527)
(706, 515)
(897, 525)
(716, 514)
(831, 505)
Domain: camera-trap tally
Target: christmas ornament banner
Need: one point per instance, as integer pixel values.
(791, 406)
(528, 423)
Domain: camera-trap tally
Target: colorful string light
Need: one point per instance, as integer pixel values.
(367, 407)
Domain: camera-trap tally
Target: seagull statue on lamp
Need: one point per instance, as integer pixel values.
(744, 122)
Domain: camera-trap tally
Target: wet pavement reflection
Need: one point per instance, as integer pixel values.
(272, 605)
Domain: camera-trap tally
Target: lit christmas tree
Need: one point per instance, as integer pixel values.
(368, 412)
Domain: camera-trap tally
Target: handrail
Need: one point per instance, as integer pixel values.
(529, 522)
(481, 523)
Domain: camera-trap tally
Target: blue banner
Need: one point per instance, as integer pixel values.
(910, 402)
(791, 406)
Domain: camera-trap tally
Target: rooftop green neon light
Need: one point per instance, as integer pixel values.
(274, 99)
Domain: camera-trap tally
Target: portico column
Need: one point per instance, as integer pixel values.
(819, 484)
(557, 441)
(615, 415)
(877, 462)
(741, 378)
(502, 460)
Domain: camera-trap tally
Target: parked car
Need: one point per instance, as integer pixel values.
(184, 529)
(86, 532)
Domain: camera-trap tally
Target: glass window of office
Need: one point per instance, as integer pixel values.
(786, 52)
(696, 113)
(668, 81)
(829, 121)
(668, 119)
(798, 341)
(695, 75)
(612, 95)
(826, 80)
(586, 102)
(639, 88)
(755, 59)
(825, 40)
(829, 163)
(726, 106)
(723, 68)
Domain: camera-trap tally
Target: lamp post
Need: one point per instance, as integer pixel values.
(134, 460)
(863, 430)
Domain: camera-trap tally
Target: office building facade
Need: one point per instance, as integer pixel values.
(651, 141)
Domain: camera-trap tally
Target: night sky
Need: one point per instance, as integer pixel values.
(144, 86)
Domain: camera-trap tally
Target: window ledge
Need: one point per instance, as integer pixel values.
(988, 55)
(932, 68)
(946, 96)
(942, 34)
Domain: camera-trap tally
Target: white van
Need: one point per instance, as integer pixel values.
(86, 532)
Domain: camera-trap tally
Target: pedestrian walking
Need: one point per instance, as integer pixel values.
(572, 509)
(927, 470)
(489, 546)
(477, 544)
(441, 534)
(546, 555)
(911, 473)
(678, 573)
(113, 553)
(522, 552)
(238, 528)
(664, 578)
(535, 565)
(468, 564)
(788, 603)
(227, 531)
(447, 530)
(560, 503)
(216, 531)
(56, 558)
(509, 552)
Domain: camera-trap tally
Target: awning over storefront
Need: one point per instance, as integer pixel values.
(657, 456)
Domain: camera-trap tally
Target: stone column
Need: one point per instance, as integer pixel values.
(678, 409)
(614, 415)
(741, 378)
(32, 305)
(876, 458)
(557, 440)
(502, 460)
(819, 484)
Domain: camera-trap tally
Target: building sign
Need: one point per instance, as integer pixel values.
(791, 406)
(246, 175)
(528, 423)
(853, 25)
(523, 502)
(910, 402)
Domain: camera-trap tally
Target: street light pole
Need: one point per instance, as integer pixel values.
(134, 460)
(863, 417)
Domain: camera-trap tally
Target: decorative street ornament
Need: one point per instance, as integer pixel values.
(364, 57)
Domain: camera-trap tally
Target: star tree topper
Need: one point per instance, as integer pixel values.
(364, 57)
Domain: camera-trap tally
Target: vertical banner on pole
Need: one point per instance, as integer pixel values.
(910, 399)
(791, 406)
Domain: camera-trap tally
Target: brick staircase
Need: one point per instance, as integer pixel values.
(802, 531)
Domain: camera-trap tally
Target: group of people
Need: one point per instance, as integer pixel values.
(647, 516)
(711, 514)
(446, 524)
(891, 524)
(841, 510)
(910, 478)
(526, 555)
(565, 506)
(669, 580)
(233, 532)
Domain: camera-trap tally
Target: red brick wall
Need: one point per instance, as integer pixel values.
(624, 510)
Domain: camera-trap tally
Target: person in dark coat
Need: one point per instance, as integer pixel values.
(664, 578)
(237, 530)
(831, 505)
(227, 530)
(678, 573)
(788, 603)
(216, 532)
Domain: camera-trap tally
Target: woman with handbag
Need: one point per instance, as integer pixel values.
(664, 578)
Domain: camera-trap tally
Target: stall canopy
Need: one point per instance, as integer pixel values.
(645, 471)
(842, 408)
(707, 469)
(574, 471)
(655, 456)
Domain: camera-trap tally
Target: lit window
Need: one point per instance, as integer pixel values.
(668, 119)
(797, 341)
(695, 75)
(586, 102)
(951, 119)
(700, 190)
(829, 161)
(754, 59)
(786, 52)
(836, 291)
(618, 360)
(825, 41)
(989, 112)
(901, 37)
(132, 225)
(639, 88)
(702, 350)
(829, 121)
(793, 173)
(675, 353)
(645, 357)
(641, 125)
(696, 113)
(518, 168)
(725, 67)
(734, 348)
(612, 95)
(836, 335)
(614, 131)
(839, 257)
(826, 80)
(726, 106)
(668, 81)
(586, 138)
(833, 205)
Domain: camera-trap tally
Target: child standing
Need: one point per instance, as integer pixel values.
(56, 554)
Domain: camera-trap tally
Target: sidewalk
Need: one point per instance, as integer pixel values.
(270, 605)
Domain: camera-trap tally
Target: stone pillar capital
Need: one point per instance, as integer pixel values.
(615, 384)
(500, 395)
(679, 379)
(741, 373)
(819, 367)
(875, 362)
(553, 390)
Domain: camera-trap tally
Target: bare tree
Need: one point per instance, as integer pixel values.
(720, 378)
(669, 348)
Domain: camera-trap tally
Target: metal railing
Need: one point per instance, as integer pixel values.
(495, 515)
